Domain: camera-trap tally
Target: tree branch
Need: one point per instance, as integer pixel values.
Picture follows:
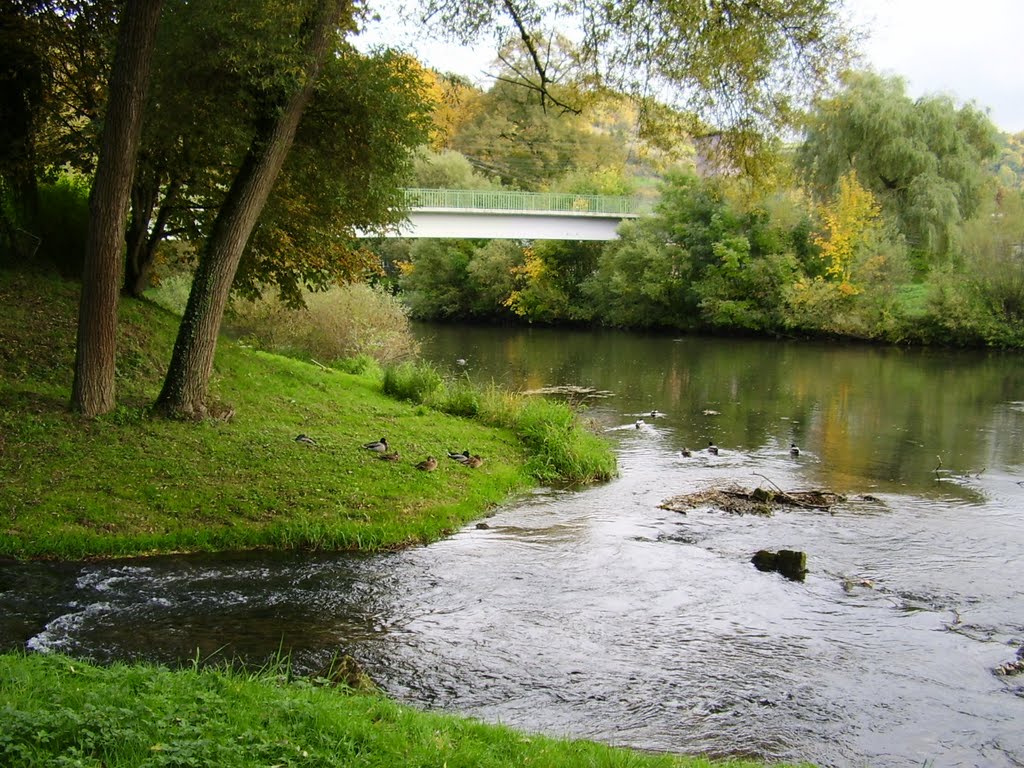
(539, 66)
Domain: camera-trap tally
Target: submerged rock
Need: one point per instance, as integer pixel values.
(790, 563)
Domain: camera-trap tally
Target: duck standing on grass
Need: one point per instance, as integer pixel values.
(428, 465)
(381, 446)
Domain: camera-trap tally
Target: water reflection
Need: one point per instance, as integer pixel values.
(865, 417)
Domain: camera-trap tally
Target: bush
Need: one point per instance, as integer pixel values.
(459, 398)
(346, 322)
(415, 382)
(63, 223)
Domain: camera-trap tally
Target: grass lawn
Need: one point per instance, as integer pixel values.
(128, 483)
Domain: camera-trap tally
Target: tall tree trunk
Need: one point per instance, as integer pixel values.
(93, 389)
(188, 377)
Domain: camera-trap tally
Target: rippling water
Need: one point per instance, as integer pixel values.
(595, 613)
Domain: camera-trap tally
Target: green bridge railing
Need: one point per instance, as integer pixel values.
(506, 200)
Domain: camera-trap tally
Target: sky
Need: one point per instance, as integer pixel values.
(968, 50)
(971, 51)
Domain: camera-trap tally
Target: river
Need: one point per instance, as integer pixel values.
(595, 613)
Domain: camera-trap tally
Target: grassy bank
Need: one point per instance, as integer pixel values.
(128, 483)
(60, 711)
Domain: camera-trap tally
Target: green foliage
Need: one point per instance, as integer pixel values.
(62, 223)
(924, 160)
(704, 259)
(459, 397)
(446, 169)
(640, 281)
(743, 293)
(559, 448)
(354, 146)
(1009, 165)
(491, 277)
(415, 382)
(350, 321)
(737, 71)
(435, 280)
(515, 140)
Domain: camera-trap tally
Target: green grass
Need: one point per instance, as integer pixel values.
(559, 450)
(57, 711)
(128, 483)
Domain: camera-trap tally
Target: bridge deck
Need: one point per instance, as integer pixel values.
(492, 200)
(488, 214)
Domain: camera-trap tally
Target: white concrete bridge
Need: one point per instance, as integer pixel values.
(503, 214)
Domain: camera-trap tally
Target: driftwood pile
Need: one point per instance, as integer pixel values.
(759, 501)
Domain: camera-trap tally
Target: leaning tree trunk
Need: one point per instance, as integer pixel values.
(188, 377)
(93, 390)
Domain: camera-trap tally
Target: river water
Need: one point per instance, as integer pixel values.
(596, 613)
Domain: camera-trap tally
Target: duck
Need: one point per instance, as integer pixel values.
(389, 456)
(462, 458)
(473, 462)
(306, 439)
(712, 448)
(686, 452)
(639, 424)
(381, 446)
(793, 450)
(428, 465)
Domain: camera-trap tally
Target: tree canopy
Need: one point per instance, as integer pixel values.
(924, 160)
(740, 70)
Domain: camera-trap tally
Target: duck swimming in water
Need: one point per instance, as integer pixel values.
(686, 452)
(712, 448)
(793, 450)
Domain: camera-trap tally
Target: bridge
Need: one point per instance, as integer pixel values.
(504, 214)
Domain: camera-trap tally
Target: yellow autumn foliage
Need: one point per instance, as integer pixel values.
(849, 221)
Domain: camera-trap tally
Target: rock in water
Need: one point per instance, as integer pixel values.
(790, 563)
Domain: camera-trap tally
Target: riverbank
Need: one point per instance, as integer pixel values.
(60, 708)
(129, 484)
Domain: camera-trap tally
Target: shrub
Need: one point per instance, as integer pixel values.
(458, 397)
(345, 322)
(62, 224)
(415, 382)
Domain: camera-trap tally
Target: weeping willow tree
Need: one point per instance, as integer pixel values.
(924, 160)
